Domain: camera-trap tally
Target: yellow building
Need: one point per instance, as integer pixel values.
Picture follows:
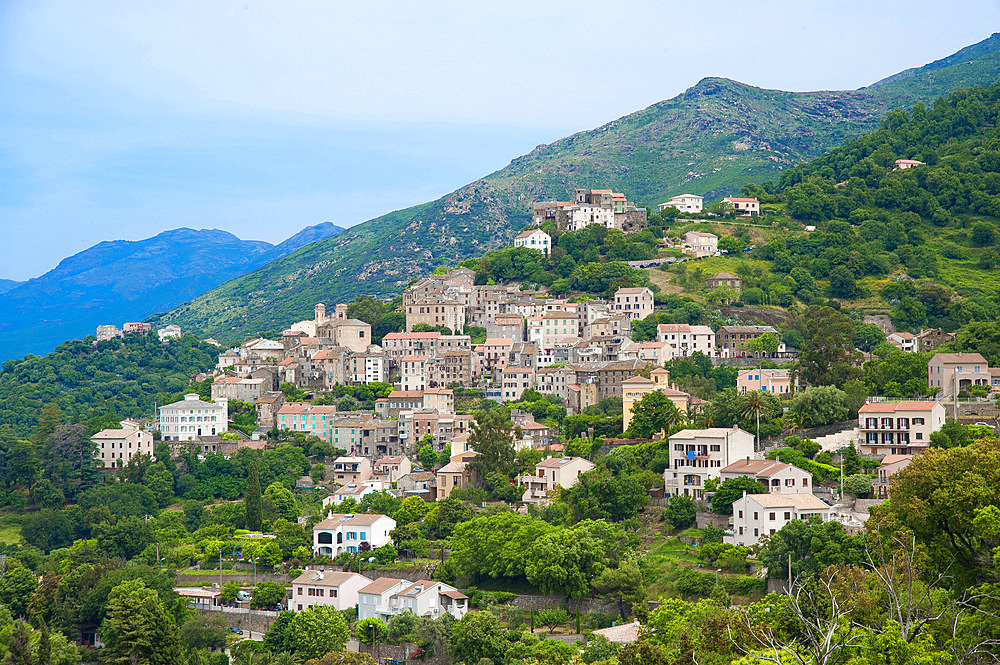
(635, 388)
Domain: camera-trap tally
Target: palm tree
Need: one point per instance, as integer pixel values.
(752, 406)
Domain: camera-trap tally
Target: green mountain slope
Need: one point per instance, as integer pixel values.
(709, 140)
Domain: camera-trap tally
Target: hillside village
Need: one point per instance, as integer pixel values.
(591, 446)
(519, 348)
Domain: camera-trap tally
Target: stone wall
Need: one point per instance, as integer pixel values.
(587, 605)
(207, 578)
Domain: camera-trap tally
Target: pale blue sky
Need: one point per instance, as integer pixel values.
(123, 119)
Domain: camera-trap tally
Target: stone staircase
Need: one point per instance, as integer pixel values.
(832, 442)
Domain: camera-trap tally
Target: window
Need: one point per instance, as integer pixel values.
(788, 515)
(741, 514)
(771, 516)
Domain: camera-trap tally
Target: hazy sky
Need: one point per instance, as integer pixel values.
(123, 119)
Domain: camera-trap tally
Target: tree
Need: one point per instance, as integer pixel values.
(479, 636)
(268, 594)
(204, 631)
(346, 658)
(843, 284)
(983, 234)
(428, 458)
(813, 546)
(491, 437)
(681, 512)
(138, 628)
(753, 404)
(229, 591)
(280, 502)
(17, 586)
(936, 497)
(124, 539)
(732, 489)
(370, 631)
(820, 405)
(318, 631)
(867, 336)
(552, 617)
(252, 500)
(624, 582)
(653, 413)
(858, 484)
(766, 344)
(827, 355)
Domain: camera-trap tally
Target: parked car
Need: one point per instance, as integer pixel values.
(238, 631)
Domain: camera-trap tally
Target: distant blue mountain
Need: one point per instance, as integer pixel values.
(122, 280)
(8, 284)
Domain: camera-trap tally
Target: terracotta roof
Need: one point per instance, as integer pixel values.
(336, 519)
(414, 359)
(625, 633)
(498, 341)
(893, 459)
(800, 501)
(382, 584)
(891, 407)
(325, 578)
(959, 358)
(740, 199)
(559, 462)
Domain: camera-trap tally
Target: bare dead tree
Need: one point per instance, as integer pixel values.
(824, 623)
(912, 602)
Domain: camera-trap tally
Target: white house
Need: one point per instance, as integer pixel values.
(115, 447)
(428, 598)
(684, 202)
(391, 467)
(699, 243)
(551, 473)
(345, 533)
(697, 455)
(534, 239)
(778, 477)
(373, 600)
(191, 417)
(326, 587)
(743, 207)
(756, 515)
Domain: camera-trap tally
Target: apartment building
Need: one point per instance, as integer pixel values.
(898, 428)
(192, 417)
(437, 312)
(682, 339)
(116, 447)
(351, 470)
(891, 465)
(311, 419)
(697, 455)
(730, 341)
(635, 303)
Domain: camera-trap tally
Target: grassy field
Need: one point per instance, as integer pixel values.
(10, 533)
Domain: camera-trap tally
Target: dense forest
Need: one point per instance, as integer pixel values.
(119, 378)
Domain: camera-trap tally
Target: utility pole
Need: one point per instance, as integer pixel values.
(789, 573)
(220, 572)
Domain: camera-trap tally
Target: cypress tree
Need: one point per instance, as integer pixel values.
(252, 499)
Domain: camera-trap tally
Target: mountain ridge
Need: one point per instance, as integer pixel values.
(710, 140)
(127, 280)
